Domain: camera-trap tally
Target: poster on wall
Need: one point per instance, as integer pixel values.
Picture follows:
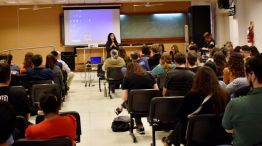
(250, 34)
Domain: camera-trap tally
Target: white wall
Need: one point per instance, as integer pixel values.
(247, 10)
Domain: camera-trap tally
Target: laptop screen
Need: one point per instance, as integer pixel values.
(95, 60)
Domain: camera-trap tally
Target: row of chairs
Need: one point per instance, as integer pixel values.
(21, 125)
(202, 129)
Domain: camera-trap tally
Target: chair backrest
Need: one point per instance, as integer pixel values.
(163, 109)
(100, 72)
(44, 142)
(206, 130)
(38, 90)
(139, 100)
(114, 73)
(20, 127)
(40, 118)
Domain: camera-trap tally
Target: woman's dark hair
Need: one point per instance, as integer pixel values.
(211, 65)
(5, 72)
(109, 39)
(254, 51)
(146, 50)
(236, 65)
(50, 61)
(207, 83)
(180, 58)
(220, 61)
(237, 49)
(50, 103)
(135, 68)
(255, 64)
(9, 58)
(28, 60)
(55, 53)
(191, 59)
(7, 122)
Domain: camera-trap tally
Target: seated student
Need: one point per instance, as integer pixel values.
(56, 54)
(7, 124)
(164, 66)
(135, 57)
(153, 61)
(14, 68)
(174, 49)
(145, 52)
(16, 97)
(205, 93)
(37, 72)
(245, 51)
(254, 51)
(113, 61)
(27, 63)
(179, 81)
(54, 125)
(192, 62)
(213, 66)
(234, 69)
(220, 61)
(242, 116)
(58, 76)
(136, 78)
(122, 54)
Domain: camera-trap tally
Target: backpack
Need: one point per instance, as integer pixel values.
(121, 124)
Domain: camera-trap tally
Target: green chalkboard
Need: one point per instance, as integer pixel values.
(152, 25)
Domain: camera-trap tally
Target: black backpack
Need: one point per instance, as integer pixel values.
(121, 124)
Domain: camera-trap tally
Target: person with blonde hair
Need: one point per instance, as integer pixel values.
(164, 66)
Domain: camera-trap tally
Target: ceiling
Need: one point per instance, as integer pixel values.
(32, 2)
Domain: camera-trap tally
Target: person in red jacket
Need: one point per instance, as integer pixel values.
(54, 125)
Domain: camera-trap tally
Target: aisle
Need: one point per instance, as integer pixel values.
(97, 113)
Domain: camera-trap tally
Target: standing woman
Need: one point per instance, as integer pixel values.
(111, 44)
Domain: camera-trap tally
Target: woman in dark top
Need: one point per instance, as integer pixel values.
(205, 84)
(111, 43)
(136, 78)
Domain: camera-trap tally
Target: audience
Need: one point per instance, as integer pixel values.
(242, 116)
(122, 54)
(153, 61)
(245, 51)
(54, 125)
(70, 75)
(58, 76)
(212, 65)
(205, 97)
(237, 49)
(7, 124)
(37, 72)
(254, 51)
(16, 97)
(27, 62)
(136, 78)
(229, 46)
(164, 66)
(161, 48)
(192, 62)
(179, 81)
(113, 61)
(234, 69)
(56, 55)
(14, 68)
(146, 52)
(173, 51)
(135, 57)
(220, 61)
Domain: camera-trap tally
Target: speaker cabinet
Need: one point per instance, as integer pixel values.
(69, 58)
(199, 23)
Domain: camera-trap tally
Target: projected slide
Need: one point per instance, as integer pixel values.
(90, 26)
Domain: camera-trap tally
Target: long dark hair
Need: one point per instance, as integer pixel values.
(220, 61)
(236, 65)
(109, 41)
(207, 83)
(28, 60)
